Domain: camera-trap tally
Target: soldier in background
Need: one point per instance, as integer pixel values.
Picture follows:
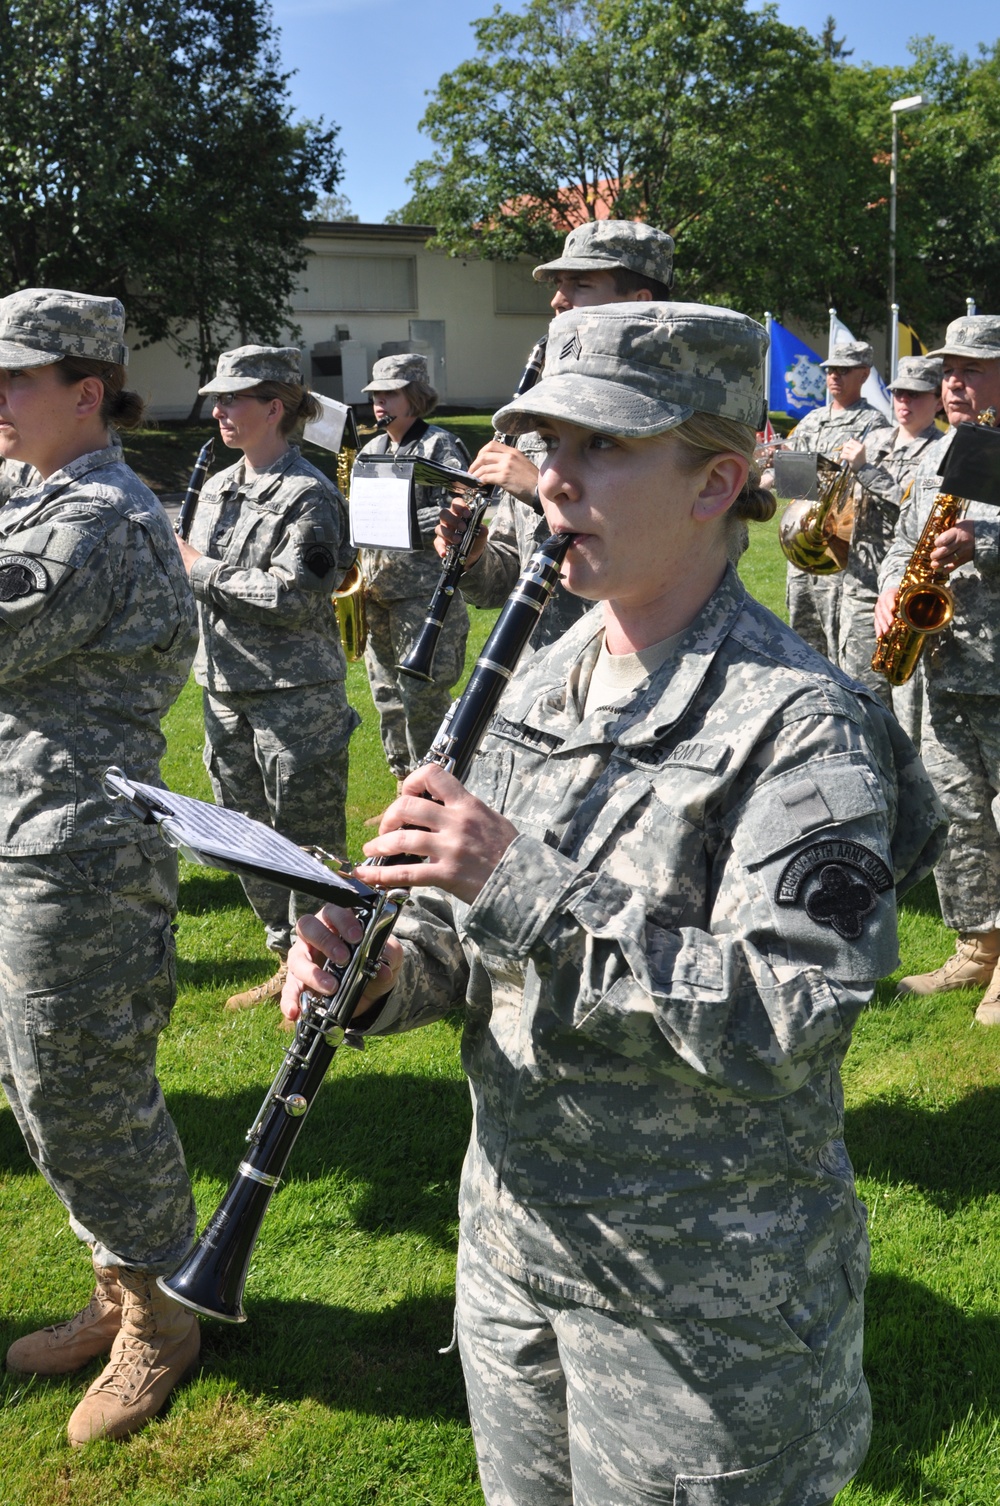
(97, 632)
(662, 927)
(604, 261)
(960, 731)
(884, 464)
(400, 584)
(269, 545)
(814, 600)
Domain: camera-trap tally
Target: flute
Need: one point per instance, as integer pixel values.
(212, 1278)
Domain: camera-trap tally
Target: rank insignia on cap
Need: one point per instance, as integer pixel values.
(836, 882)
(572, 347)
(20, 575)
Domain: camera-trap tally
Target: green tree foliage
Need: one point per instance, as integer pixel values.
(759, 148)
(147, 151)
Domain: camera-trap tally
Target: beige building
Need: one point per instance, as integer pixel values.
(374, 290)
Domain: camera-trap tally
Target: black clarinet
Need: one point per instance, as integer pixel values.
(189, 506)
(212, 1278)
(419, 662)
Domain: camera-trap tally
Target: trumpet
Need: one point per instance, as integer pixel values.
(419, 662)
(815, 536)
(925, 604)
(212, 1278)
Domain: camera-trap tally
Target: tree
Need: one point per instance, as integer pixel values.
(759, 148)
(334, 207)
(147, 151)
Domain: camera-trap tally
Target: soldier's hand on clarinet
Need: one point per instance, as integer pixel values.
(450, 531)
(435, 818)
(499, 464)
(955, 546)
(188, 554)
(331, 934)
(885, 610)
(853, 451)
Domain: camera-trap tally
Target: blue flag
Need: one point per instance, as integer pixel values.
(798, 382)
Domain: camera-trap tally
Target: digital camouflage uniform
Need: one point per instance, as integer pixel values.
(275, 547)
(399, 585)
(884, 477)
(96, 639)
(960, 733)
(814, 600)
(13, 476)
(660, 980)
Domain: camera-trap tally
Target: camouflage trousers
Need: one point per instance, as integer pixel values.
(281, 757)
(410, 711)
(814, 609)
(960, 748)
(87, 983)
(578, 1406)
(857, 644)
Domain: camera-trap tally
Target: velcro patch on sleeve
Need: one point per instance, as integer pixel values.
(319, 559)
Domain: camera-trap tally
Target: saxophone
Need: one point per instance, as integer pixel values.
(815, 536)
(925, 604)
(349, 598)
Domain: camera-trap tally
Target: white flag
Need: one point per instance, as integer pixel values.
(874, 389)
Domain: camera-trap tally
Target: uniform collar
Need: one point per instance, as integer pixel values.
(545, 704)
(94, 460)
(262, 483)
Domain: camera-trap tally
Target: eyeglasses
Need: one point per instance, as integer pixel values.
(230, 399)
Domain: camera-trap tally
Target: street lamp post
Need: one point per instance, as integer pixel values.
(897, 108)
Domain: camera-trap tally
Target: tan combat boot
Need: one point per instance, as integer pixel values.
(155, 1349)
(263, 991)
(971, 965)
(988, 1012)
(68, 1346)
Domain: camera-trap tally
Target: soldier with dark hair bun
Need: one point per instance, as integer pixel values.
(97, 633)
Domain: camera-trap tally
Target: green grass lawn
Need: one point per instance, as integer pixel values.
(334, 1391)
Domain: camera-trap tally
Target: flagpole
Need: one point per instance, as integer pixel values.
(768, 321)
(894, 344)
(830, 343)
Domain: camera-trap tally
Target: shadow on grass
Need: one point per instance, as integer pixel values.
(382, 1364)
(399, 1141)
(923, 898)
(201, 892)
(224, 974)
(951, 1154)
(929, 1365)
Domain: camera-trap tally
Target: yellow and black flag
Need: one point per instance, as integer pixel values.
(910, 343)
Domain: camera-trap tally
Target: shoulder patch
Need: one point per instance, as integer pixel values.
(836, 882)
(319, 559)
(20, 575)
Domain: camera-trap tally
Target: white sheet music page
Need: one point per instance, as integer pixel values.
(327, 430)
(227, 839)
(381, 514)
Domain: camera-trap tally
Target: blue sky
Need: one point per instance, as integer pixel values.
(368, 65)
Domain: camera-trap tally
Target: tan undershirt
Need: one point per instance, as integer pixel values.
(615, 676)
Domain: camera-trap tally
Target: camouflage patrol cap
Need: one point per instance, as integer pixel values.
(39, 326)
(600, 245)
(638, 369)
(848, 353)
(917, 374)
(974, 335)
(393, 373)
(249, 365)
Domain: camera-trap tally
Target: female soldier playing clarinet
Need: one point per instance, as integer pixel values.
(664, 896)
